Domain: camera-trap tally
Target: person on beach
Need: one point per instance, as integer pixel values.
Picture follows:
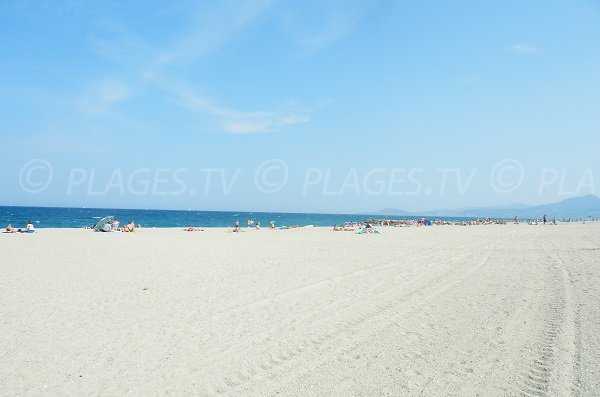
(115, 224)
(237, 227)
(545, 219)
(250, 223)
(30, 228)
(257, 225)
(10, 229)
(130, 227)
(192, 229)
(272, 225)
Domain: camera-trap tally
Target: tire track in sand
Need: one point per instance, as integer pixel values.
(553, 365)
(382, 309)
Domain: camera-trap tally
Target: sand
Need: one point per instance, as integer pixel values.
(445, 310)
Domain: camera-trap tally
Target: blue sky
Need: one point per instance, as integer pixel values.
(325, 106)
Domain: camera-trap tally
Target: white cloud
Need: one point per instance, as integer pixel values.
(211, 30)
(321, 24)
(266, 124)
(247, 127)
(102, 94)
(230, 120)
(114, 43)
(524, 49)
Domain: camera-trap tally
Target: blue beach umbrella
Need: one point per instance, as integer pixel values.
(104, 224)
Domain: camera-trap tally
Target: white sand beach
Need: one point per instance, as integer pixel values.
(434, 311)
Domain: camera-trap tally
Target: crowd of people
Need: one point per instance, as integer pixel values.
(367, 226)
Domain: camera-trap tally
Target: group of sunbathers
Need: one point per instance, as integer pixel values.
(28, 229)
(129, 227)
(346, 228)
(359, 228)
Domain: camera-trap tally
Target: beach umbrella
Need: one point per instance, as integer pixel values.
(104, 224)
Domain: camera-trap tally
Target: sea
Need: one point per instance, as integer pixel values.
(55, 217)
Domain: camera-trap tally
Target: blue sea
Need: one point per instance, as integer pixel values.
(80, 217)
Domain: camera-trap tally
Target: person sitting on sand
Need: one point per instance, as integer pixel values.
(130, 227)
(30, 228)
(272, 225)
(257, 225)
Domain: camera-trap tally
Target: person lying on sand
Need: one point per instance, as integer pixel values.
(191, 229)
(11, 229)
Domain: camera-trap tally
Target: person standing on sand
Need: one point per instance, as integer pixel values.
(250, 223)
(545, 219)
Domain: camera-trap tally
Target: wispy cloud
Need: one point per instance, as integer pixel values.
(268, 124)
(116, 44)
(153, 68)
(101, 95)
(336, 19)
(230, 120)
(211, 30)
(524, 49)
